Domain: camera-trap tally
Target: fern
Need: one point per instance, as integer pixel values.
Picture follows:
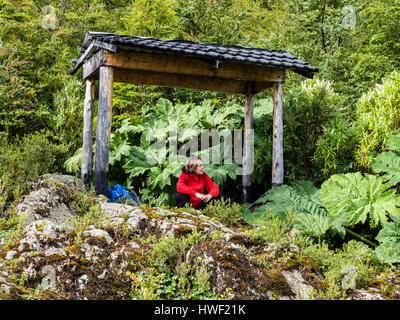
(302, 197)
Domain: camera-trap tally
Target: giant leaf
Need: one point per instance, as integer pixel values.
(389, 237)
(393, 143)
(388, 163)
(121, 150)
(360, 198)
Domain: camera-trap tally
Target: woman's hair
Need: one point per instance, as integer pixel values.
(191, 164)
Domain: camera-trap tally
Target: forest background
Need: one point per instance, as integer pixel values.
(336, 124)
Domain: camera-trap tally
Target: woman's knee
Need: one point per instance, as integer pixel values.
(182, 199)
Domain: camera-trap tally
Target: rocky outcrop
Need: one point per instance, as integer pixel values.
(50, 199)
(60, 255)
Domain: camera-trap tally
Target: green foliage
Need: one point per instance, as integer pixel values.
(147, 151)
(24, 160)
(387, 163)
(73, 164)
(334, 150)
(286, 199)
(344, 201)
(299, 205)
(164, 277)
(311, 110)
(269, 228)
(389, 237)
(68, 104)
(354, 57)
(35, 61)
(88, 213)
(220, 21)
(167, 251)
(152, 19)
(225, 211)
(360, 197)
(377, 117)
(354, 255)
(318, 139)
(262, 114)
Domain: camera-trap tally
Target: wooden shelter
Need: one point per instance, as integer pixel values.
(109, 57)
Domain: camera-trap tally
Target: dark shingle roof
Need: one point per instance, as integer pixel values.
(273, 58)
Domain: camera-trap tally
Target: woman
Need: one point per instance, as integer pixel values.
(194, 185)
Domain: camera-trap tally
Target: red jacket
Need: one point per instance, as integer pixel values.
(191, 183)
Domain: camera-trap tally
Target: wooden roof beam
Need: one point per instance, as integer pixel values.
(192, 66)
(185, 81)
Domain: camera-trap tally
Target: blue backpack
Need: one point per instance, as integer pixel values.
(121, 194)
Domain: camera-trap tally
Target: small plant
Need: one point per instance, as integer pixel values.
(89, 213)
(270, 229)
(165, 276)
(224, 211)
(352, 265)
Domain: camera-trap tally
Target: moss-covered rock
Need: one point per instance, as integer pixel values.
(115, 251)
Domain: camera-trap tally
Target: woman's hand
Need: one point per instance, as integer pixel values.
(200, 196)
(207, 197)
(203, 197)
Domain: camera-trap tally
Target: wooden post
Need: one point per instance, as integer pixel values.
(277, 137)
(248, 157)
(87, 144)
(103, 130)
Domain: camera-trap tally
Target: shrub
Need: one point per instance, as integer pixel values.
(68, 124)
(378, 118)
(335, 148)
(24, 160)
(313, 122)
